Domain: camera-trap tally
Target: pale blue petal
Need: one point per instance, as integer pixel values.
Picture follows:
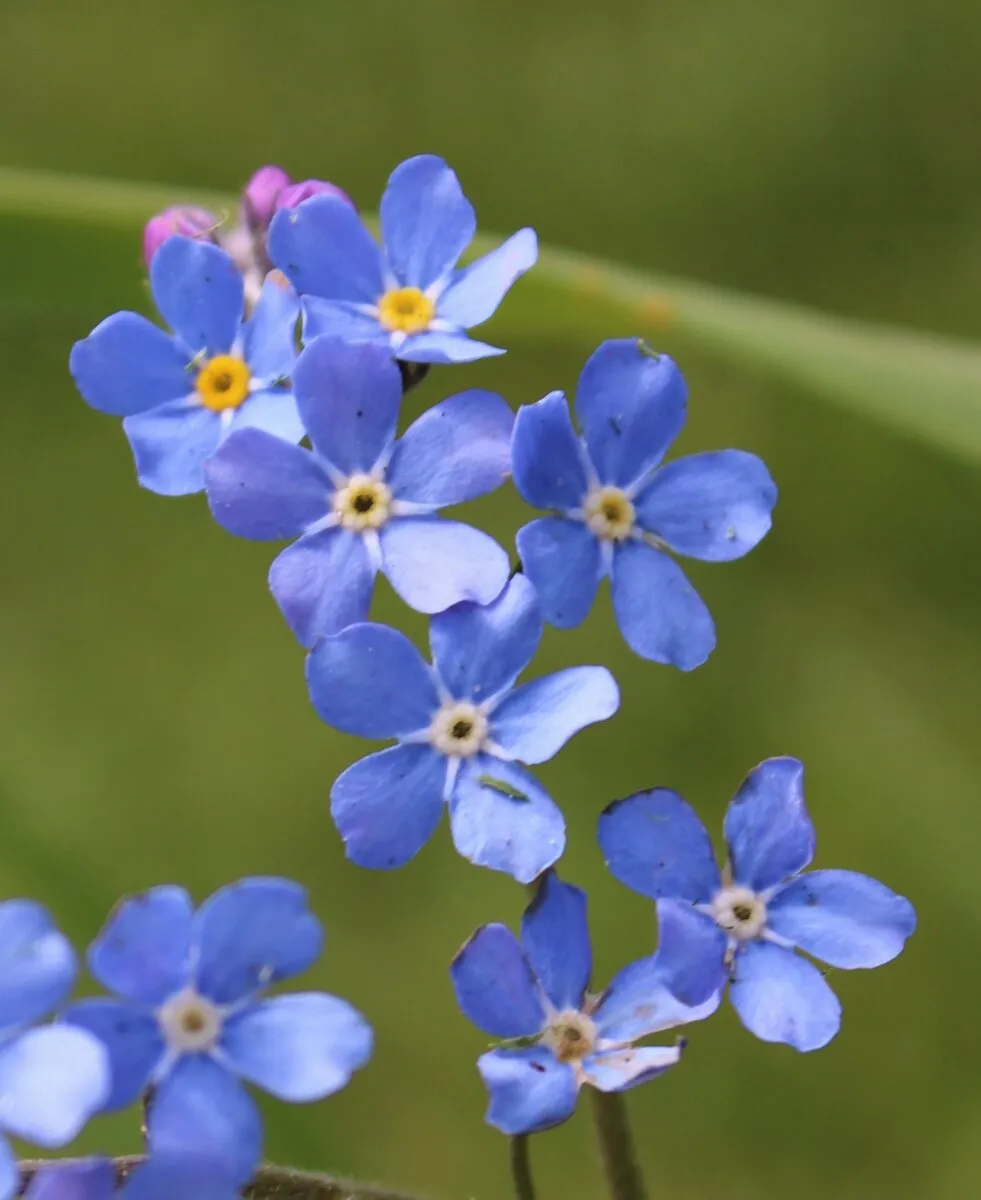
(535, 721)
(555, 936)
(530, 1090)
(661, 616)
(300, 1047)
(767, 826)
(426, 221)
(445, 347)
(457, 450)
(323, 583)
(269, 335)
(843, 918)
(474, 294)
(273, 410)
(170, 445)
(324, 249)
(386, 806)
(433, 563)
(199, 292)
(495, 985)
(127, 365)
(782, 997)
(85, 1179)
(142, 951)
(37, 963)
(548, 465)
(342, 319)
(132, 1039)
(371, 681)
(618, 1070)
(655, 843)
(9, 1172)
(52, 1079)
(564, 562)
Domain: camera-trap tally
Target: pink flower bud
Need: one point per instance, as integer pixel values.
(183, 219)
(298, 192)
(260, 196)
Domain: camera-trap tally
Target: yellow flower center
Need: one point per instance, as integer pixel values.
(405, 310)
(223, 382)
(609, 513)
(363, 503)
(571, 1036)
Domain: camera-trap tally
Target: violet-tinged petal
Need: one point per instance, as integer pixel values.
(170, 445)
(143, 951)
(555, 936)
(618, 1070)
(548, 459)
(37, 963)
(495, 985)
(199, 292)
(533, 722)
(324, 249)
(132, 1039)
(204, 1175)
(261, 194)
(781, 997)
(767, 826)
(433, 563)
(180, 219)
(564, 561)
(475, 292)
(530, 1090)
(127, 365)
(426, 221)
(296, 193)
(52, 1079)
(84, 1179)
(323, 583)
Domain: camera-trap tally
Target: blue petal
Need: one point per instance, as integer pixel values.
(618, 1070)
(264, 488)
(844, 918)
(655, 844)
(269, 335)
(456, 451)
(170, 445)
(273, 410)
(630, 406)
(767, 827)
(715, 507)
(555, 935)
(250, 935)
(324, 249)
(323, 583)
(520, 835)
(201, 1108)
(85, 1179)
(495, 985)
(445, 347)
(199, 292)
(477, 290)
(132, 1039)
(200, 1176)
(52, 1080)
(433, 563)
(782, 997)
(426, 221)
(661, 616)
(690, 953)
(548, 460)
(371, 681)
(300, 1047)
(342, 319)
(530, 1090)
(349, 397)
(387, 806)
(127, 365)
(479, 650)
(37, 963)
(535, 721)
(142, 951)
(9, 1171)
(564, 562)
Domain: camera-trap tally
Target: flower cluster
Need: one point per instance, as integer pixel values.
(277, 391)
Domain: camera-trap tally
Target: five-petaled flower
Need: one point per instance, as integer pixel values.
(761, 907)
(180, 394)
(361, 502)
(462, 729)
(408, 294)
(190, 1021)
(533, 993)
(617, 510)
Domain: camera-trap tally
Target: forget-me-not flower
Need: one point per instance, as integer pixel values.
(361, 502)
(52, 1078)
(406, 294)
(533, 993)
(760, 906)
(462, 729)
(617, 511)
(190, 1021)
(180, 394)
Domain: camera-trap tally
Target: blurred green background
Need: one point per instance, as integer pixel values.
(153, 719)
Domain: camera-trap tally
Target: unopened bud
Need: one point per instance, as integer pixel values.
(298, 192)
(260, 196)
(183, 219)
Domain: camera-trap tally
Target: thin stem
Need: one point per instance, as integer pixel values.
(524, 1185)
(624, 1180)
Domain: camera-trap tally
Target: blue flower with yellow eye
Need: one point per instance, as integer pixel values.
(181, 394)
(407, 294)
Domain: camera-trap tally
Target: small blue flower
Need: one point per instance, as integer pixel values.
(52, 1078)
(162, 1177)
(407, 295)
(462, 728)
(361, 502)
(617, 510)
(181, 394)
(533, 993)
(761, 907)
(191, 1023)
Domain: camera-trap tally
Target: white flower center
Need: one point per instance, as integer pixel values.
(609, 513)
(459, 729)
(571, 1036)
(364, 502)
(740, 912)
(189, 1022)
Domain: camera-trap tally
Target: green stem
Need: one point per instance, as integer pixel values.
(624, 1180)
(524, 1185)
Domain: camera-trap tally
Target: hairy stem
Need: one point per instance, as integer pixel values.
(524, 1185)
(624, 1180)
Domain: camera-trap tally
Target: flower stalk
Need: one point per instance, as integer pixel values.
(624, 1180)
(521, 1179)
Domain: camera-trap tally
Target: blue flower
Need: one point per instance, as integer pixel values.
(181, 394)
(462, 728)
(617, 510)
(52, 1078)
(162, 1177)
(533, 993)
(360, 502)
(760, 907)
(190, 1021)
(406, 295)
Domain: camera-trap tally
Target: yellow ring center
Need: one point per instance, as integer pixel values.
(405, 310)
(223, 382)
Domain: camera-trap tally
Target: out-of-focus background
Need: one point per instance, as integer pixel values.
(154, 724)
